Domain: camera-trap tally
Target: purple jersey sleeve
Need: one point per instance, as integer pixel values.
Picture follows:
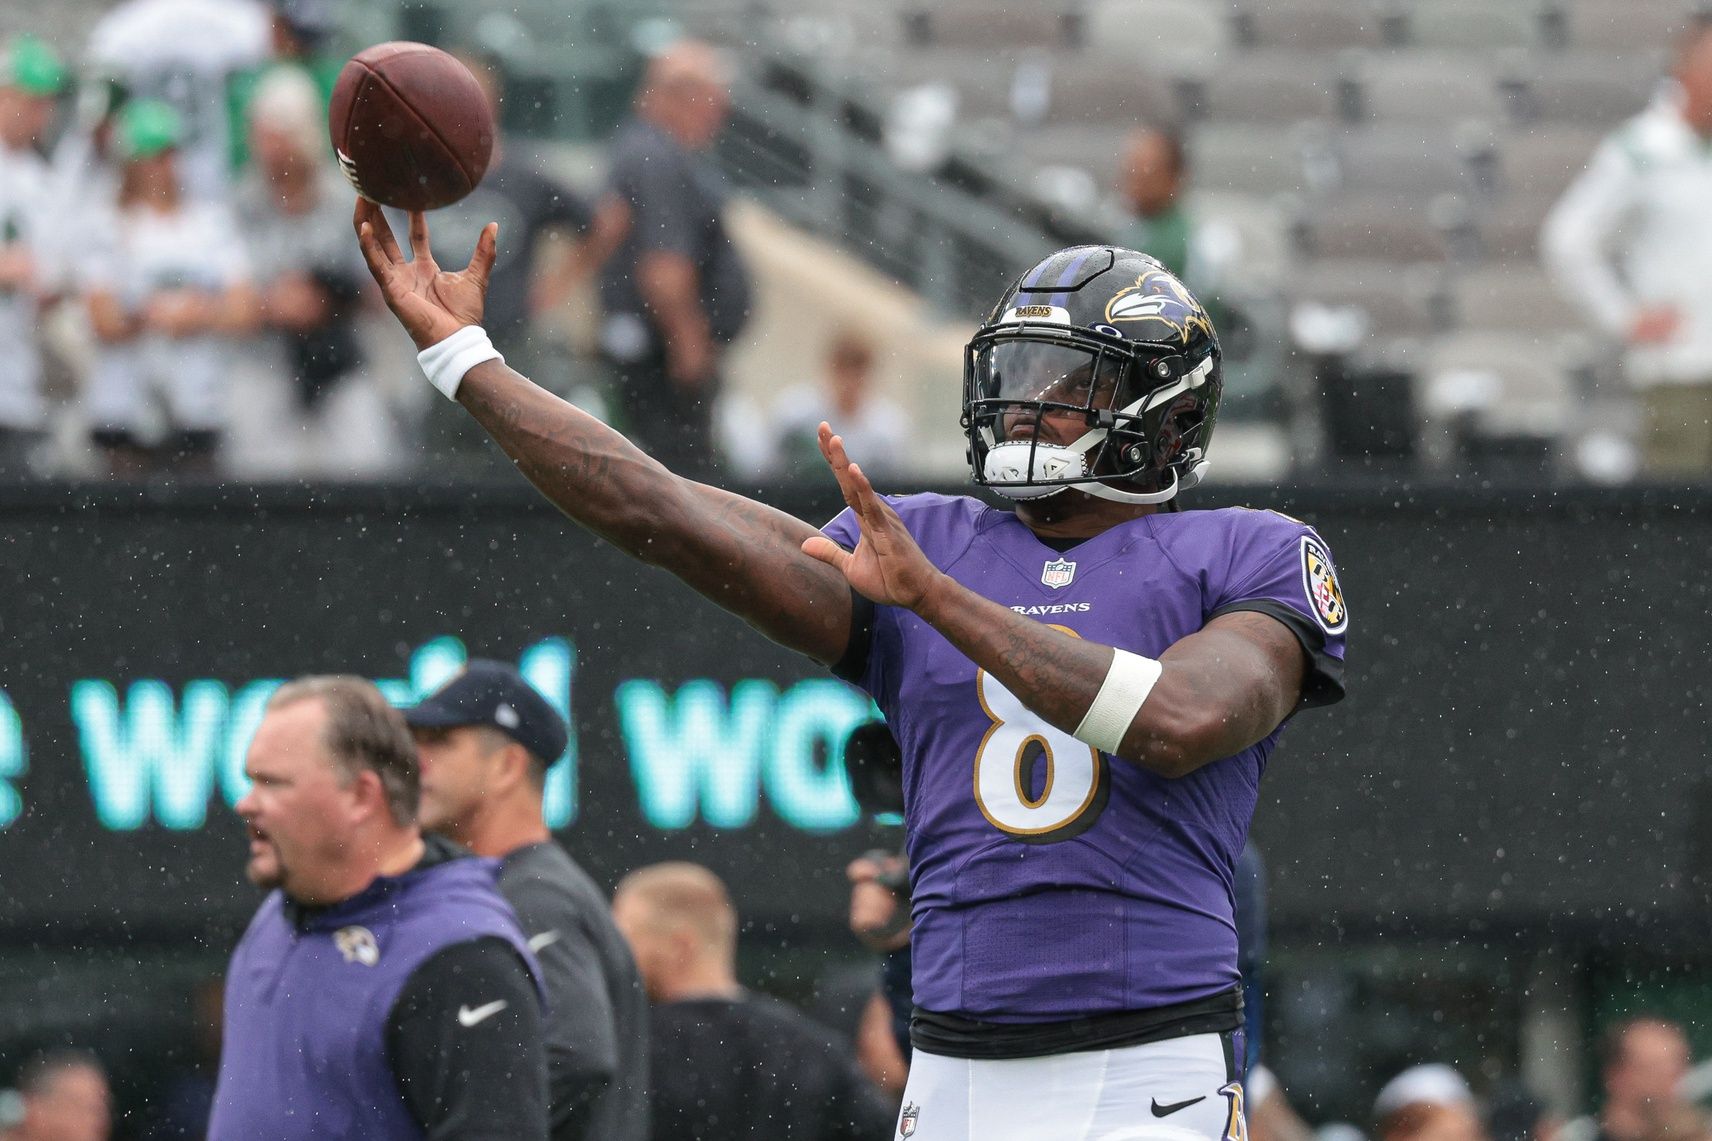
(1282, 568)
(843, 529)
(853, 666)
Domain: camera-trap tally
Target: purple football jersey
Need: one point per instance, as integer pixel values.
(1051, 881)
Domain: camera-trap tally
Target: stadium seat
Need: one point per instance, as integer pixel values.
(1472, 25)
(1309, 25)
(1533, 396)
(1540, 161)
(1264, 87)
(1176, 34)
(1509, 229)
(1411, 160)
(1424, 87)
(1592, 89)
(1001, 28)
(1517, 296)
(1628, 26)
(1375, 226)
(1127, 98)
(1095, 149)
(982, 80)
(1245, 157)
(1400, 300)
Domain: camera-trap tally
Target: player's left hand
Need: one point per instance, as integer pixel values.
(887, 566)
(431, 303)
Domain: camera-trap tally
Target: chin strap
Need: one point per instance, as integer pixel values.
(1015, 469)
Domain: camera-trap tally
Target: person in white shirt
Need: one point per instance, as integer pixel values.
(786, 444)
(167, 283)
(186, 53)
(1630, 243)
(311, 408)
(31, 78)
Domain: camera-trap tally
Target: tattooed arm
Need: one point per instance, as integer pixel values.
(1221, 689)
(743, 555)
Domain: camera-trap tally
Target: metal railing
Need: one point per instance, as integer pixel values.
(806, 143)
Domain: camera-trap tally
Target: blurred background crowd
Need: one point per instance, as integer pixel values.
(1444, 240)
(1441, 237)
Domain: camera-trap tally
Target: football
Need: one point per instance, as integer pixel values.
(410, 125)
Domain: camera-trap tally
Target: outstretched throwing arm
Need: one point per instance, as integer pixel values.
(743, 555)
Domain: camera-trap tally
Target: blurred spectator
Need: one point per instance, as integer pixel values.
(880, 918)
(299, 32)
(729, 1065)
(180, 1111)
(1630, 244)
(167, 281)
(1430, 1084)
(675, 292)
(329, 417)
(65, 1098)
(486, 740)
(1515, 1114)
(1642, 1063)
(1271, 1117)
(1431, 1121)
(533, 209)
(1677, 1122)
(31, 78)
(1153, 188)
(785, 441)
(187, 54)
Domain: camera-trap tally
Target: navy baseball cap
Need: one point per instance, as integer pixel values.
(494, 694)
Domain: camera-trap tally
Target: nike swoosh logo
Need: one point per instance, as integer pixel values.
(468, 1017)
(545, 939)
(1168, 1110)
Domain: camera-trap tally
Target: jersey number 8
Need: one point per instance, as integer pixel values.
(1022, 753)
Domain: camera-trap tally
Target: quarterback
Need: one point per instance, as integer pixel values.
(1085, 689)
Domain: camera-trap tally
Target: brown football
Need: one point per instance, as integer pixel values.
(411, 126)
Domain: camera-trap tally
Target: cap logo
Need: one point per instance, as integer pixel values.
(357, 945)
(507, 716)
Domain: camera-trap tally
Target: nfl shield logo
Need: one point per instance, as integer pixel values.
(1058, 574)
(906, 1123)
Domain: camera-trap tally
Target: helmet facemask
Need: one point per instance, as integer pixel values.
(1049, 407)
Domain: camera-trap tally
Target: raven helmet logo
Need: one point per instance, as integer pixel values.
(906, 1122)
(1159, 297)
(358, 945)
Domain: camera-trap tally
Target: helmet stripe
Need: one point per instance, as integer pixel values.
(1071, 271)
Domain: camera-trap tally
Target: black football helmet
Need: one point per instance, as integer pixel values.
(1110, 338)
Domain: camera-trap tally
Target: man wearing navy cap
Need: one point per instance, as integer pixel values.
(486, 739)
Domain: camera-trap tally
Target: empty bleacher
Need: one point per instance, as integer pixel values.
(1406, 150)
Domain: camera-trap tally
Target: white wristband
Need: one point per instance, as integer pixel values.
(446, 361)
(1127, 685)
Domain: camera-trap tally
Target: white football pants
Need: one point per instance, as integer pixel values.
(1181, 1089)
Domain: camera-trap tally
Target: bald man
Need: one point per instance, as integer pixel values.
(729, 1065)
(675, 292)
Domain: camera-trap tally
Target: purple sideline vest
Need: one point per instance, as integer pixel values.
(306, 1012)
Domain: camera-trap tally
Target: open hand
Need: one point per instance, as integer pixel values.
(886, 567)
(428, 301)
